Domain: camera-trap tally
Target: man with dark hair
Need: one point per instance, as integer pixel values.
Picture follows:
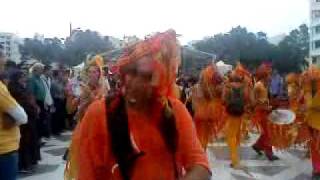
(11, 116)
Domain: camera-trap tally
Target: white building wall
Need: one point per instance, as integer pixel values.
(315, 30)
(10, 46)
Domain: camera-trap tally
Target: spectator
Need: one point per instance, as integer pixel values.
(12, 115)
(29, 151)
(276, 84)
(59, 99)
(38, 89)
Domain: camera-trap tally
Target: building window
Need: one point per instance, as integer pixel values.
(317, 29)
(317, 44)
(315, 14)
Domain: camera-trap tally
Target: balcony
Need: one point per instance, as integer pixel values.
(315, 52)
(315, 5)
(314, 22)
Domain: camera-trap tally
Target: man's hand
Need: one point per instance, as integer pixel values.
(197, 172)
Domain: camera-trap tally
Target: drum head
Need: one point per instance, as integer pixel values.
(282, 116)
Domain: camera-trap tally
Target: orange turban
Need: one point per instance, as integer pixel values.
(241, 71)
(164, 51)
(210, 76)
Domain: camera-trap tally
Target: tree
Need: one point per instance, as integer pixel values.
(237, 44)
(82, 43)
(293, 50)
(71, 52)
(251, 49)
(47, 51)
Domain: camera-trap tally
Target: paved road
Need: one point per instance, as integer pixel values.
(292, 166)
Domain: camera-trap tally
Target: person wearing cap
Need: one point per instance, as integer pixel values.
(143, 131)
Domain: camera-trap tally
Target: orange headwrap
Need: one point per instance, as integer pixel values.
(164, 50)
(210, 76)
(241, 71)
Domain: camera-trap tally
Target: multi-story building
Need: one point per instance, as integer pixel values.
(315, 31)
(9, 44)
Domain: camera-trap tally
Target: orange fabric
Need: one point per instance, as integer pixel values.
(96, 162)
(233, 134)
(164, 50)
(209, 112)
(260, 118)
(296, 101)
(209, 119)
(235, 127)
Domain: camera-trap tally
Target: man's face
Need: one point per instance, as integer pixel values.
(94, 74)
(138, 86)
(38, 70)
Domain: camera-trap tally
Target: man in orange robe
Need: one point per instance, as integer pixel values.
(311, 88)
(143, 132)
(235, 126)
(209, 112)
(262, 111)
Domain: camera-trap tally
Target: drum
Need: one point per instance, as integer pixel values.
(281, 128)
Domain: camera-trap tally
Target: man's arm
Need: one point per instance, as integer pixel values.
(13, 111)
(193, 157)
(197, 172)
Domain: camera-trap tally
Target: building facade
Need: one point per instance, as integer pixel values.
(9, 44)
(315, 31)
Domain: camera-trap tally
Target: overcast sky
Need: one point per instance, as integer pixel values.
(194, 19)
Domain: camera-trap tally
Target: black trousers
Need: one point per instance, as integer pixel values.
(44, 121)
(59, 116)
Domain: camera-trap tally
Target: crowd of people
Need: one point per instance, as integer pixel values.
(52, 99)
(144, 122)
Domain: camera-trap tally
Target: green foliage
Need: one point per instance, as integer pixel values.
(251, 49)
(71, 52)
(292, 50)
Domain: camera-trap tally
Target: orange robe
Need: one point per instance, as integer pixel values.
(296, 101)
(209, 116)
(96, 161)
(261, 117)
(235, 129)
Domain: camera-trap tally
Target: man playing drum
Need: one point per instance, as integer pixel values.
(262, 111)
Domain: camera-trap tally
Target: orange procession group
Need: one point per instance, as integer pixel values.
(143, 130)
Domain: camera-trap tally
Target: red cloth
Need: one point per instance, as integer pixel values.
(315, 154)
(263, 142)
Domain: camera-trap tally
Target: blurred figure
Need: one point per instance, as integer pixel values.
(276, 84)
(38, 89)
(12, 115)
(144, 131)
(29, 151)
(59, 99)
(262, 110)
(92, 85)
